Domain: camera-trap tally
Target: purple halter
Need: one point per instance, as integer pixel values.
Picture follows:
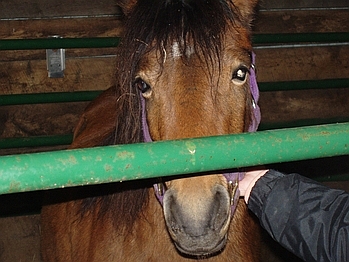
(232, 178)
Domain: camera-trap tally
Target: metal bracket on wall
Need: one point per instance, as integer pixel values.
(55, 59)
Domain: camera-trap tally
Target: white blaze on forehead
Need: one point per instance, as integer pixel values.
(176, 51)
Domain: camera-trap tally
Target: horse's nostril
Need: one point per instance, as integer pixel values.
(220, 208)
(172, 213)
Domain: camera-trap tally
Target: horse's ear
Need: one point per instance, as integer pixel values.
(126, 5)
(246, 8)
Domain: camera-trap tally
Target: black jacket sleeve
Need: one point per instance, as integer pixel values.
(307, 218)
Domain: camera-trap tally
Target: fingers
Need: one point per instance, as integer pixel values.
(247, 183)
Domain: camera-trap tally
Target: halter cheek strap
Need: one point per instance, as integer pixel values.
(232, 178)
(256, 112)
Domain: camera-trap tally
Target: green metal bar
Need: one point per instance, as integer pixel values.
(302, 123)
(104, 42)
(57, 169)
(304, 85)
(41, 98)
(36, 141)
(55, 43)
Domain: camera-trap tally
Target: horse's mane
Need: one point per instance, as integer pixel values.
(154, 25)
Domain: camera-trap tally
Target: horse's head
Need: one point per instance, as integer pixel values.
(191, 65)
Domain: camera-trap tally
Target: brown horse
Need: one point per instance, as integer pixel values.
(188, 63)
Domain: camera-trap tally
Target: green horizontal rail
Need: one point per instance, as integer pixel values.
(79, 96)
(304, 85)
(55, 43)
(301, 123)
(68, 168)
(104, 42)
(42, 98)
(36, 141)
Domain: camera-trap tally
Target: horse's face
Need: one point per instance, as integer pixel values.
(190, 94)
(191, 98)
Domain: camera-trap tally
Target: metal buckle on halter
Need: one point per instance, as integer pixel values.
(161, 188)
(253, 67)
(233, 188)
(254, 104)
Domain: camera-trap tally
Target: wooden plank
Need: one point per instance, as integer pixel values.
(291, 21)
(288, 64)
(278, 107)
(10, 9)
(297, 4)
(64, 27)
(30, 76)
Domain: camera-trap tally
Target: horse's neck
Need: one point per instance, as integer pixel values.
(244, 237)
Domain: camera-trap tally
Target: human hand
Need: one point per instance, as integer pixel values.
(247, 183)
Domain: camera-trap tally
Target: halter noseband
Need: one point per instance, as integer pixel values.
(232, 178)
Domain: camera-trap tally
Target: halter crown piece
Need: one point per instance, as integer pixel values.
(232, 178)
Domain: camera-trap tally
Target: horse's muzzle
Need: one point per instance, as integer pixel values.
(198, 226)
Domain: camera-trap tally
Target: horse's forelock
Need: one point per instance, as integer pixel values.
(160, 23)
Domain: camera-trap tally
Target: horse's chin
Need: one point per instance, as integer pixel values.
(201, 252)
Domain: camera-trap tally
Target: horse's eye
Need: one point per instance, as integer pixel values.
(239, 76)
(142, 85)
